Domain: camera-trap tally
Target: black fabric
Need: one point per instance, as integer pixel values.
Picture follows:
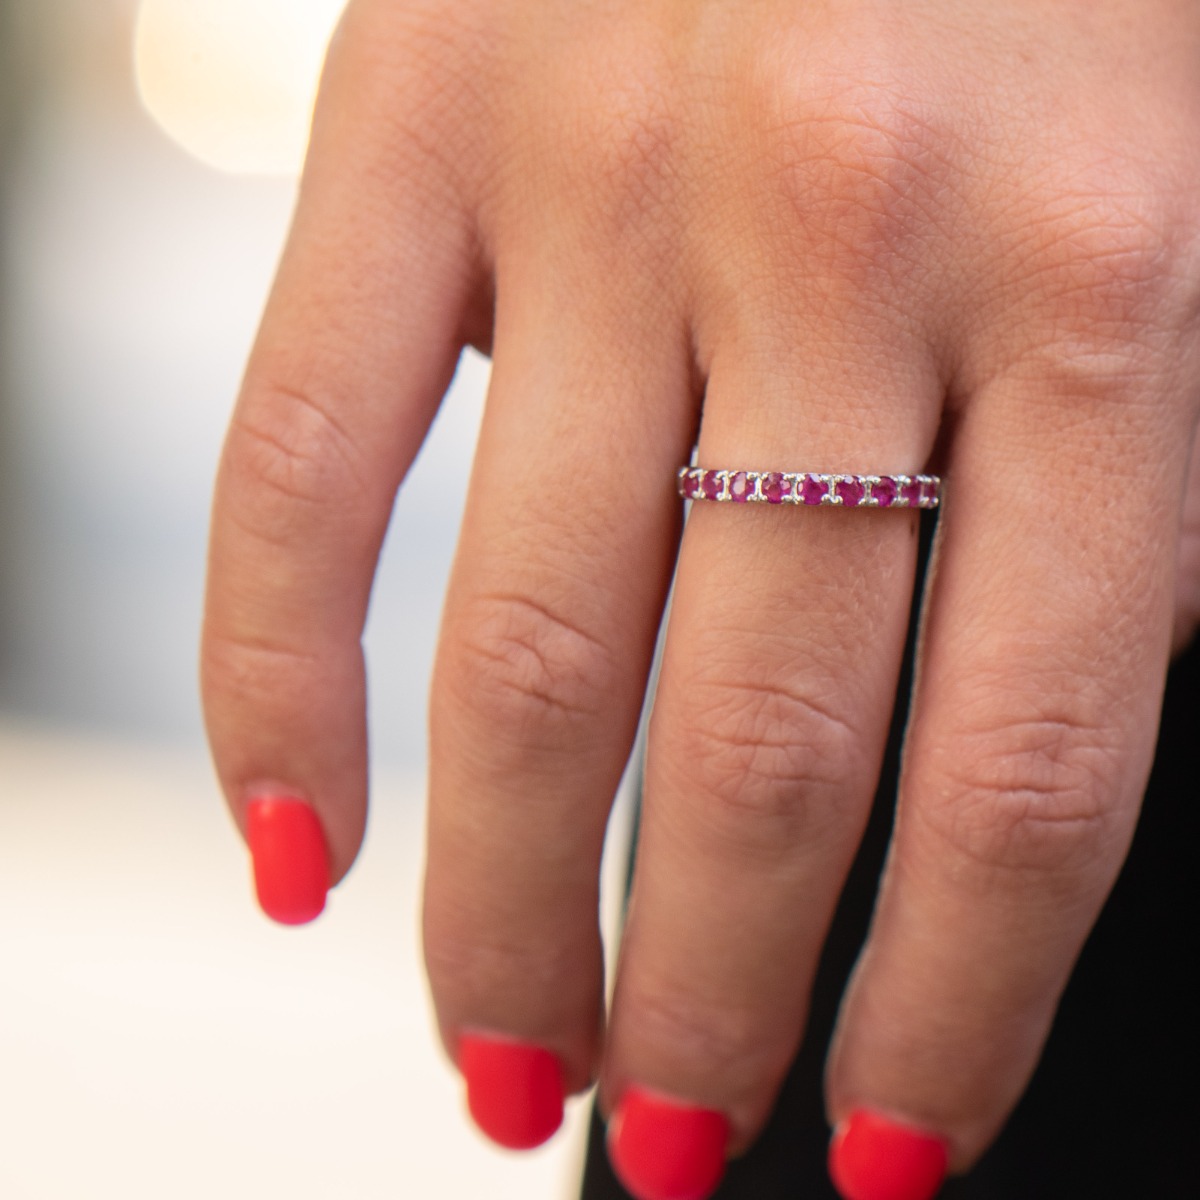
(1112, 1110)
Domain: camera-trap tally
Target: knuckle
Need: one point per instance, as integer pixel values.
(1040, 796)
(862, 164)
(528, 676)
(417, 48)
(767, 764)
(419, 70)
(622, 140)
(1109, 258)
(291, 463)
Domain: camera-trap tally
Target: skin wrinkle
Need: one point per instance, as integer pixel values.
(526, 669)
(1043, 771)
(728, 1038)
(768, 750)
(256, 663)
(254, 531)
(294, 454)
(759, 725)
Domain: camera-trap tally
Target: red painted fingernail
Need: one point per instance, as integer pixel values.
(514, 1090)
(291, 860)
(875, 1158)
(662, 1149)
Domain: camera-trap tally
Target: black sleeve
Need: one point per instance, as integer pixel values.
(1114, 1109)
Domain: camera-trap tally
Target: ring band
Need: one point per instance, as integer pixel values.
(806, 487)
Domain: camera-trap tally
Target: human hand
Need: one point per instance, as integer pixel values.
(870, 237)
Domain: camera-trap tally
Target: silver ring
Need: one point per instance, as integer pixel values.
(809, 487)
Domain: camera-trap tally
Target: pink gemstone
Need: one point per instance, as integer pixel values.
(851, 491)
(812, 489)
(774, 487)
(928, 492)
(691, 485)
(910, 493)
(883, 491)
(711, 485)
(740, 487)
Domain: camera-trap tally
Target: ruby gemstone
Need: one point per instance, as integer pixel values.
(813, 489)
(741, 487)
(883, 491)
(711, 485)
(774, 487)
(691, 486)
(910, 493)
(851, 491)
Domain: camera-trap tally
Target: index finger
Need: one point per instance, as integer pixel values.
(358, 344)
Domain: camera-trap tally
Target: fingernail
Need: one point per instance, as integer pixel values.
(662, 1149)
(873, 1157)
(291, 860)
(514, 1089)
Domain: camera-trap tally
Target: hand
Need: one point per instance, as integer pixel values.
(869, 237)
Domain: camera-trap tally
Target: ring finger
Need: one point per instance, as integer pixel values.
(779, 674)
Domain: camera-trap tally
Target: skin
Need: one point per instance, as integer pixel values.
(860, 236)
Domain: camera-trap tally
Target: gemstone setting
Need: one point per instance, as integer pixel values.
(741, 487)
(883, 491)
(775, 488)
(850, 490)
(839, 490)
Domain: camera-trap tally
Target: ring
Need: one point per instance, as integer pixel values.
(807, 487)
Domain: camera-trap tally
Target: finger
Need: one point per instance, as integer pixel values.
(357, 346)
(784, 643)
(550, 623)
(1046, 643)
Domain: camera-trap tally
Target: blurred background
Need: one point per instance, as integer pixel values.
(157, 1036)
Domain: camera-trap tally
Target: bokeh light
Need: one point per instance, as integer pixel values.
(233, 81)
